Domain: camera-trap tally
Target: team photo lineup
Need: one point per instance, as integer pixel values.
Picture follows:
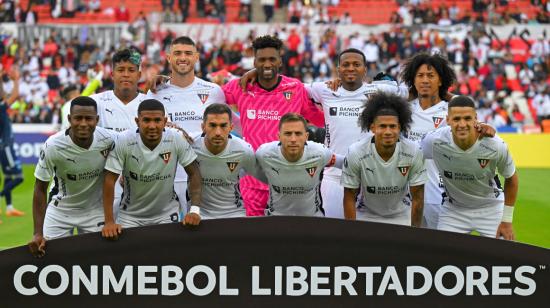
(404, 150)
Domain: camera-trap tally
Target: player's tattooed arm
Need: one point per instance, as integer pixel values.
(485, 130)
(350, 196)
(194, 187)
(38, 244)
(417, 209)
(181, 130)
(111, 230)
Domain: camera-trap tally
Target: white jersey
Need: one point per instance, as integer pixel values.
(79, 171)
(342, 109)
(294, 187)
(114, 114)
(469, 175)
(185, 107)
(221, 195)
(384, 184)
(149, 174)
(65, 109)
(423, 122)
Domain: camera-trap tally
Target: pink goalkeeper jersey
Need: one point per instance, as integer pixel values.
(261, 110)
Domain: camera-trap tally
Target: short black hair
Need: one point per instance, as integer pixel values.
(292, 117)
(462, 101)
(126, 55)
(67, 90)
(183, 40)
(381, 103)
(441, 65)
(84, 101)
(150, 105)
(267, 41)
(216, 109)
(352, 50)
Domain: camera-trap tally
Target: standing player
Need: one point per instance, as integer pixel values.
(76, 157)
(221, 159)
(292, 167)
(429, 78)
(11, 165)
(185, 98)
(147, 160)
(468, 165)
(385, 166)
(342, 108)
(262, 105)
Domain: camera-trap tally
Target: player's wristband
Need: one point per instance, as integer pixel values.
(195, 210)
(508, 214)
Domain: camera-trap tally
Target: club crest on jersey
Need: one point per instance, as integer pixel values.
(437, 121)
(105, 152)
(232, 165)
(404, 170)
(288, 95)
(203, 97)
(165, 156)
(311, 171)
(483, 162)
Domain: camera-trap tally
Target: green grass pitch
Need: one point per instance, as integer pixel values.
(531, 217)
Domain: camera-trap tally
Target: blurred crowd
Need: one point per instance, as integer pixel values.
(508, 77)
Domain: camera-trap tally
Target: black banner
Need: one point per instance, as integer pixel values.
(278, 261)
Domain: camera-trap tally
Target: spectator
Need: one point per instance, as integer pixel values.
(517, 116)
(121, 12)
(295, 11)
(246, 6)
(183, 6)
(269, 7)
(94, 6)
(167, 4)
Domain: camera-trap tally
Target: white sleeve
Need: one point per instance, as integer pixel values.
(427, 145)
(249, 161)
(394, 87)
(417, 174)
(217, 96)
(186, 155)
(44, 170)
(315, 91)
(351, 172)
(505, 163)
(115, 160)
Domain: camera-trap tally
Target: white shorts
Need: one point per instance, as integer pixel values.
(332, 193)
(205, 215)
(128, 221)
(403, 218)
(460, 219)
(181, 191)
(61, 223)
(430, 218)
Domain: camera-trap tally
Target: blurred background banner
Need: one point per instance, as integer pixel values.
(288, 261)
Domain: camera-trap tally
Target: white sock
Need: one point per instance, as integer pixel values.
(9, 207)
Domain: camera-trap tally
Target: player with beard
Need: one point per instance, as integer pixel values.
(185, 98)
(262, 105)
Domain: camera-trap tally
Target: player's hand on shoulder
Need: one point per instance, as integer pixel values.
(506, 231)
(334, 84)
(191, 220)
(248, 78)
(111, 230)
(38, 246)
(485, 130)
(183, 132)
(157, 83)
